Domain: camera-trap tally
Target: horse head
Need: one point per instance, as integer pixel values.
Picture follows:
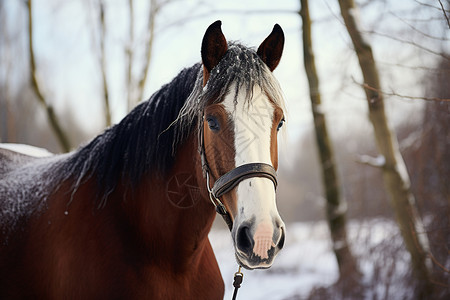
(238, 136)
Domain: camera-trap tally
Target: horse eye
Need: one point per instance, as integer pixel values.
(280, 124)
(213, 123)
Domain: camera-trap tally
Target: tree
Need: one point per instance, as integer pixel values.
(102, 59)
(136, 78)
(395, 175)
(336, 206)
(135, 86)
(51, 115)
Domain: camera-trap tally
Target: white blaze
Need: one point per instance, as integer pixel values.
(255, 196)
(252, 126)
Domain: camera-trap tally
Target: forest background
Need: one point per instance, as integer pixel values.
(91, 61)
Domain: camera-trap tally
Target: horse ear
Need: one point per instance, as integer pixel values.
(214, 46)
(271, 48)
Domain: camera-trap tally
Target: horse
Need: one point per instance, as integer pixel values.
(127, 215)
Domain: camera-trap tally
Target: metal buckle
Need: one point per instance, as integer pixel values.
(220, 208)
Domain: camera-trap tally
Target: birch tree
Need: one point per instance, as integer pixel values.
(390, 161)
(336, 206)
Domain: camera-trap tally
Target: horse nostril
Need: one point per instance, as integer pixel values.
(281, 241)
(244, 240)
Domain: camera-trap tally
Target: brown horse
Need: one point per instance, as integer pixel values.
(127, 215)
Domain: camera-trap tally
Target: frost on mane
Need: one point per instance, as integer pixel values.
(25, 190)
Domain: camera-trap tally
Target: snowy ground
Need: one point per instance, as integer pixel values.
(307, 260)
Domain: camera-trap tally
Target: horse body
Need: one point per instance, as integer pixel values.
(80, 252)
(128, 214)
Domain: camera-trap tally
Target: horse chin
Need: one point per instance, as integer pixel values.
(253, 262)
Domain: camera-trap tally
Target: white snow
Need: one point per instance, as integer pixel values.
(318, 108)
(26, 149)
(307, 261)
(378, 161)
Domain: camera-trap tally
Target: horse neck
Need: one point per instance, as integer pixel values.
(173, 211)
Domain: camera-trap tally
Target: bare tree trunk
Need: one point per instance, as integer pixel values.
(135, 88)
(153, 11)
(52, 118)
(103, 64)
(129, 52)
(11, 134)
(394, 171)
(336, 206)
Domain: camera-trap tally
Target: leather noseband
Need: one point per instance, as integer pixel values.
(232, 178)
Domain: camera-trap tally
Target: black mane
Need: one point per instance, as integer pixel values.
(140, 143)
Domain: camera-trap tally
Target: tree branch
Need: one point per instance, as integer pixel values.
(148, 53)
(437, 263)
(445, 13)
(103, 63)
(394, 94)
(407, 42)
(417, 30)
(230, 11)
(428, 5)
(52, 118)
(129, 52)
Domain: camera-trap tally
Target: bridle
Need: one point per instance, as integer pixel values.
(226, 183)
(231, 179)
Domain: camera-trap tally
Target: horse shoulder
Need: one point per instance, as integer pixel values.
(212, 285)
(202, 280)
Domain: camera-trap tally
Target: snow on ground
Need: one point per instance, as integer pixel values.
(306, 262)
(26, 149)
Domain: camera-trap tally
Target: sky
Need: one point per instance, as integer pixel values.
(66, 40)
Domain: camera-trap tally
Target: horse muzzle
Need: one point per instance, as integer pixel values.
(257, 246)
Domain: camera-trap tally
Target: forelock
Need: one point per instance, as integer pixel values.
(240, 70)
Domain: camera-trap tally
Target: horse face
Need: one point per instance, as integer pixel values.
(240, 131)
(238, 134)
